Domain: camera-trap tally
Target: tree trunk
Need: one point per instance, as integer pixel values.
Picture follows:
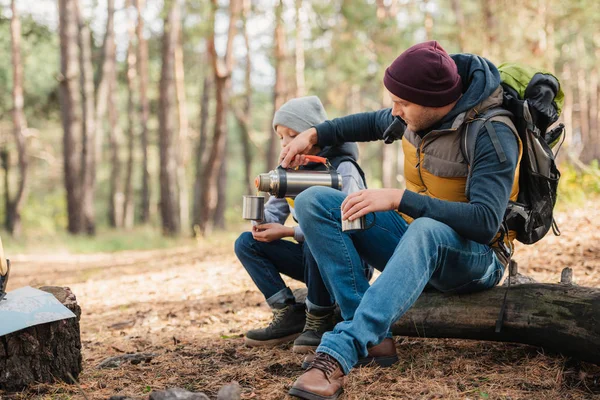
(105, 76)
(88, 147)
(559, 317)
(567, 113)
(5, 164)
(13, 211)
(388, 161)
(280, 89)
(201, 155)
(219, 216)
(128, 204)
(300, 84)
(44, 353)
(587, 154)
(460, 22)
(596, 110)
(183, 156)
(70, 105)
(142, 65)
(243, 113)
(116, 195)
(388, 176)
(594, 114)
(428, 21)
(222, 73)
(489, 50)
(389, 10)
(169, 189)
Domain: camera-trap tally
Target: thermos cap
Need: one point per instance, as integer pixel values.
(263, 182)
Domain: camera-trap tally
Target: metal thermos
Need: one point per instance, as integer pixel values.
(289, 183)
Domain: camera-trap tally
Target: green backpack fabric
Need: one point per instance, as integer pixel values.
(533, 99)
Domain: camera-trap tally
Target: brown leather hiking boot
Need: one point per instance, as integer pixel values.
(323, 380)
(383, 355)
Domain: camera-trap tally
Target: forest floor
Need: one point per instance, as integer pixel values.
(191, 306)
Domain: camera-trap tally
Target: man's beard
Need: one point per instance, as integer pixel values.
(427, 119)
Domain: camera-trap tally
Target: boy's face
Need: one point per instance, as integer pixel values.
(286, 135)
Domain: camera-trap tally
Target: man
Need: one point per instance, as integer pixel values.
(265, 255)
(442, 231)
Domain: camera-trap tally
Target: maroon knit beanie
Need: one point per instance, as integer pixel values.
(425, 75)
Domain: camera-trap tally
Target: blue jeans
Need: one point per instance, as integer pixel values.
(426, 252)
(266, 261)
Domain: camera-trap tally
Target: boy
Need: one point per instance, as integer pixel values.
(265, 255)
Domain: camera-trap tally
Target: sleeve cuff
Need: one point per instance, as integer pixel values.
(412, 204)
(298, 234)
(325, 134)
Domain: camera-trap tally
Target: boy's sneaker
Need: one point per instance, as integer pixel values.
(287, 324)
(317, 323)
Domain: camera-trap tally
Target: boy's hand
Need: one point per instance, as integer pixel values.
(365, 201)
(270, 232)
(291, 154)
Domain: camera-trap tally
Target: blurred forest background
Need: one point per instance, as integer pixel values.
(144, 121)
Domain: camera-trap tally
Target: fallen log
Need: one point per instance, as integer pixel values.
(562, 318)
(43, 353)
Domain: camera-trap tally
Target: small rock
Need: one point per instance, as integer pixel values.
(115, 362)
(119, 398)
(177, 394)
(233, 391)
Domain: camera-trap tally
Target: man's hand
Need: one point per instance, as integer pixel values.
(270, 232)
(291, 154)
(365, 201)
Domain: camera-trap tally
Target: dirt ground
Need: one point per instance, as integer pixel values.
(191, 306)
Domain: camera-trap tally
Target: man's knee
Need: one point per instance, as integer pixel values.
(313, 198)
(426, 227)
(243, 243)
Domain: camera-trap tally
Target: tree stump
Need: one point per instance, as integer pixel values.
(44, 353)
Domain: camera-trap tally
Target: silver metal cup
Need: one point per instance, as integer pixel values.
(357, 224)
(253, 208)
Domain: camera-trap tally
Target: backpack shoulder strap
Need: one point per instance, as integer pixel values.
(474, 127)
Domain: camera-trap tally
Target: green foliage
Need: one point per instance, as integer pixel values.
(577, 186)
(40, 54)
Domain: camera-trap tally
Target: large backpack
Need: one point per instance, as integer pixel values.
(533, 99)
